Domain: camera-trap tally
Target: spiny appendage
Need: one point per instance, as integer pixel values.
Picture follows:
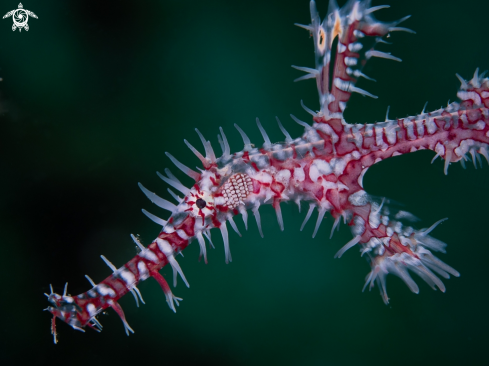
(464, 125)
(392, 247)
(457, 132)
(473, 115)
(358, 33)
(81, 310)
(66, 309)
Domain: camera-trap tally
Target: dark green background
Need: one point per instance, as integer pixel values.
(95, 93)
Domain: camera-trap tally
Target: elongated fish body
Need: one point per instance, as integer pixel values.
(324, 167)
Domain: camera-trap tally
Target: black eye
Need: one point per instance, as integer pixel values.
(200, 203)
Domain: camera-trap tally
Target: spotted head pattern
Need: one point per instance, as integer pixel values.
(324, 167)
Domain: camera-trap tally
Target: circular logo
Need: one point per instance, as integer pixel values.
(20, 18)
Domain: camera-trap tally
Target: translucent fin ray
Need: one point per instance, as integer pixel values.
(246, 139)
(191, 173)
(175, 184)
(154, 218)
(158, 201)
(308, 215)
(256, 213)
(225, 239)
(288, 139)
(267, 144)
(227, 149)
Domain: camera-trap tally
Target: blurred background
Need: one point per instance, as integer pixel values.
(95, 93)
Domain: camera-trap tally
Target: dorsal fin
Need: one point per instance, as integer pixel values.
(353, 24)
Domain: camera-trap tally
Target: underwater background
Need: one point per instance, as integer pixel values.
(95, 93)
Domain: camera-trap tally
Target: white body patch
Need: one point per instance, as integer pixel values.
(105, 290)
(419, 128)
(440, 149)
(219, 201)
(464, 119)
(283, 176)
(328, 130)
(379, 136)
(408, 125)
(464, 147)
(91, 309)
(354, 47)
(182, 234)
(128, 277)
(374, 217)
(480, 125)
(319, 167)
(359, 198)
(357, 137)
(299, 174)
(263, 177)
(464, 95)
(350, 61)
(339, 164)
(431, 126)
(149, 255)
(390, 133)
(143, 270)
(165, 247)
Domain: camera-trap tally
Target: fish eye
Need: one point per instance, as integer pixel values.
(201, 203)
